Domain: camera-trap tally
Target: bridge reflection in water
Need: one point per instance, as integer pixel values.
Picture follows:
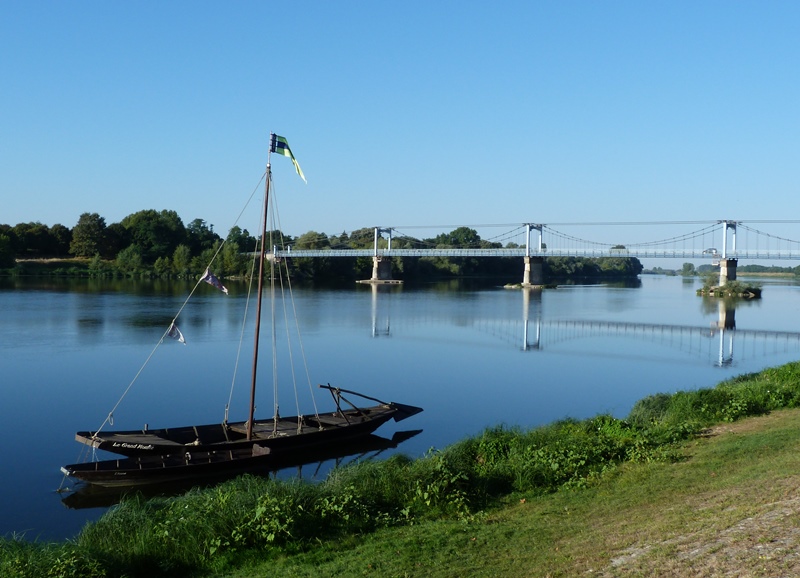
(715, 342)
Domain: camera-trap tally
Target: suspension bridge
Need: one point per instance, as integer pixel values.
(714, 241)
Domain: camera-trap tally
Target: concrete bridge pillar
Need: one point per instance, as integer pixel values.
(381, 270)
(727, 271)
(533, 274)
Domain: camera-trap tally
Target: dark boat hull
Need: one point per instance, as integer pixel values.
(316, 432)
(163, 469)
(108, 480)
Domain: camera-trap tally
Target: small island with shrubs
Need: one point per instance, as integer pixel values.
(735, 289)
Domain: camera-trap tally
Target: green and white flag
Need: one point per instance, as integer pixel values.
(279, 145)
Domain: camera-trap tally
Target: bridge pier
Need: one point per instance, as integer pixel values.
(533, 275)
(727, 271)
(381, 272)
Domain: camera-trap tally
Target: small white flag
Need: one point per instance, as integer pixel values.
(212, 280)
(175, 333)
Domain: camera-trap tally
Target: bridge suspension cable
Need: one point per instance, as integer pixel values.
(793, 244)
(561, 235)
(687, 237)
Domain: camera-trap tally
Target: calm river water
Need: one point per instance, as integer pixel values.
(471, 357)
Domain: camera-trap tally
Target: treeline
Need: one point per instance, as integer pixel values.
(144, 243)
(689, 269)
(768, 269)
(153, 243)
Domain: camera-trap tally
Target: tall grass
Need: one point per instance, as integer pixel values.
(217, 528)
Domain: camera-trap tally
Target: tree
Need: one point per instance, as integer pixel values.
(157, 234)
(129, 260)
(7, 258)
(87, 235)
(312, 240)
(688, 270)
(462, 237)
(241, 238)
(97, 266)
(277, 239)
(232, 261)
(33, 240)
(162, 266)
(200, 236)
(365, 239)
(201, 261)
(61, 238)
(181, 260)
(116, 238)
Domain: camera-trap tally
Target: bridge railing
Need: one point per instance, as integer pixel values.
(516, 252)
(520, 252)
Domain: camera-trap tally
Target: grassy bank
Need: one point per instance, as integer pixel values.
(72, 267)
(729, 507)
(679, 487)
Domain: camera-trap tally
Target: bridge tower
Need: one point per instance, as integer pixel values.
(727, 265)
(533, 275)
(381, 269)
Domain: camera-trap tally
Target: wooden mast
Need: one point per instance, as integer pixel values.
(260, 290)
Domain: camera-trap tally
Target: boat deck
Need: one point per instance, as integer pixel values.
(268, 429)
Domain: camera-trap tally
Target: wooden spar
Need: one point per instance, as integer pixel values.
(258, 301)
(339, 389)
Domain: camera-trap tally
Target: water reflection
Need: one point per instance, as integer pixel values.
(472, 355)
(319, 463)
(534, 331)
(527, 296)
(726, 323)
(380, 325)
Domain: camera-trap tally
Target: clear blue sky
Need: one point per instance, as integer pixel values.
(401, 113)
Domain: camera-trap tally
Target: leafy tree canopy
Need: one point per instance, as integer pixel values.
(462, 237)
(155, 233)
(200, 236)
(242, 238)
(87, 235)
(312, 240)
(6, 252)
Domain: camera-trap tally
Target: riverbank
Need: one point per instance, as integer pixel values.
(728, 507)
(663, 492)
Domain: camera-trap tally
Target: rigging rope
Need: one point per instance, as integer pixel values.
(241, 334)
(110, 417)
(283, 269)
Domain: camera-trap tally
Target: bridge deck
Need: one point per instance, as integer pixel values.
(520, 252)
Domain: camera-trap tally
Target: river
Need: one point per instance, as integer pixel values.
(471, 356)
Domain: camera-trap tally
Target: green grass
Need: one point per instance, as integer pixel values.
(644, 519)
(563, 499)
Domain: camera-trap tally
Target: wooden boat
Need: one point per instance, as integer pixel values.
(109, 479)
(281, 435)
(197, 450)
